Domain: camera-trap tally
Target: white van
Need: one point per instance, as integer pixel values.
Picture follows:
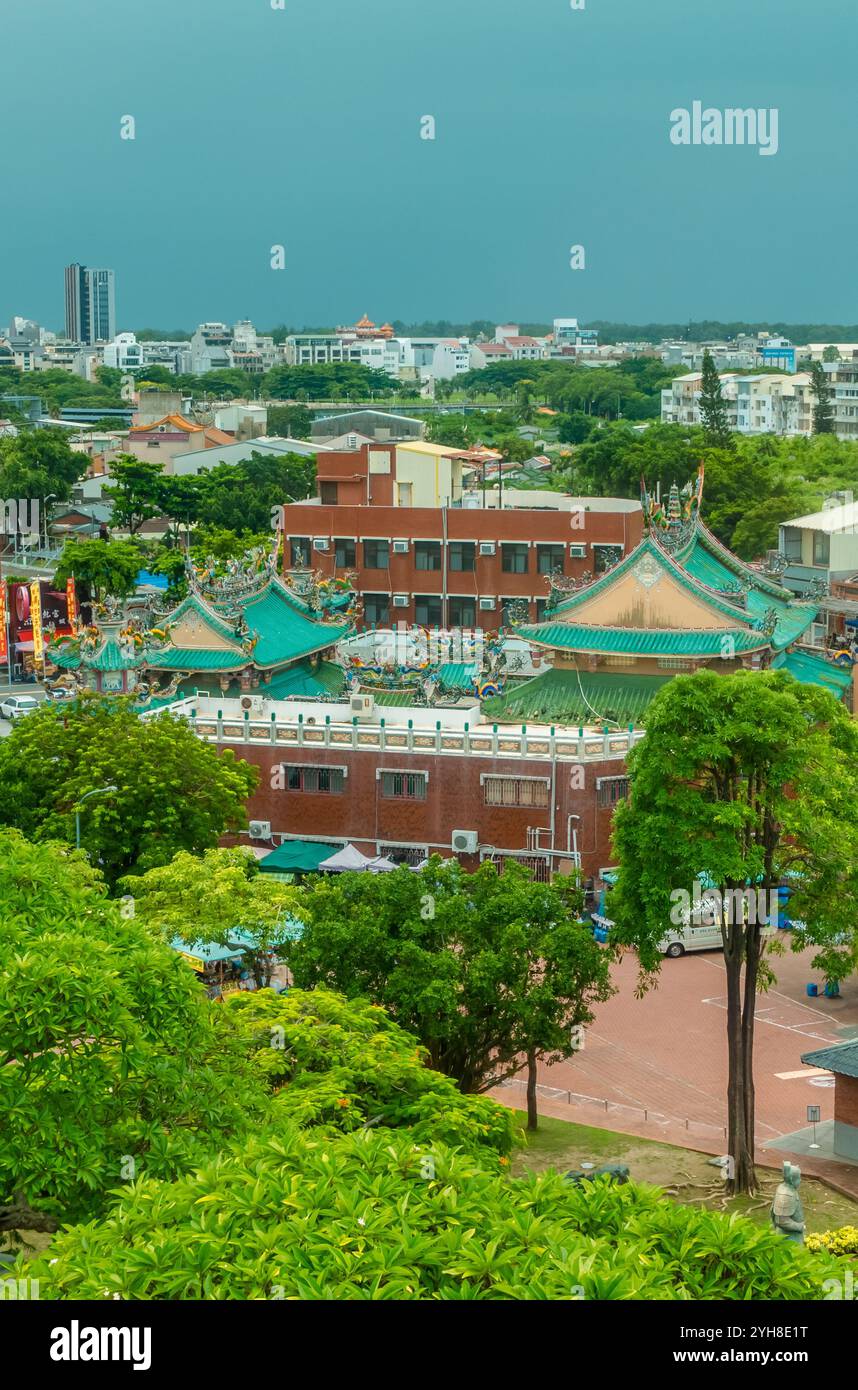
(681, 939)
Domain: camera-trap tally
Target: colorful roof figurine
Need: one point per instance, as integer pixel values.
(246, 615)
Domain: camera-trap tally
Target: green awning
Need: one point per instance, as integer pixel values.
(297, 856)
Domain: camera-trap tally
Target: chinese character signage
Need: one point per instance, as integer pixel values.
(36, 621)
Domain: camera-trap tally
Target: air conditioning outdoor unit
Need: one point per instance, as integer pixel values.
(578, 552)
(321, 543)
(400, 547)
(487, 604)
(465, 841)
(260, 830)
(487, 547)
(253, 704)
(401, 600)
(362, 706)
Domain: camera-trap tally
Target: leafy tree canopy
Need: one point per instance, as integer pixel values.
(100, 567)
(173, 792)
(483, 968)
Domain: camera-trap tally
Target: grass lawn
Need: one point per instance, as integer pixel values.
(682, 1173)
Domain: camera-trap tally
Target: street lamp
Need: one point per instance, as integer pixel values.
(51, 497)
(97, 791)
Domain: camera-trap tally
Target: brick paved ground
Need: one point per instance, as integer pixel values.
(666, 1054)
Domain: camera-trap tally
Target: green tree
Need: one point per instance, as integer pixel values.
(100, 567)
(290, 421)
(831, 354)
(761, 774)
(823, 407)
(713, 409)
(490, 971)
(136, 491)
(37, 463)
(173, 792)
(105, 1046)
(219, 897)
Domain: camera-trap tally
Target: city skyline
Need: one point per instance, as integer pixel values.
(552, 130)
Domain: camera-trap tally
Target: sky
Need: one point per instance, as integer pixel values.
(257, 127)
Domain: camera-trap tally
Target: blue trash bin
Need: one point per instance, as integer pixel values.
(813, 991)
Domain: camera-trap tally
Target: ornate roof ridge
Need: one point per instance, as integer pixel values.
(649, 545)
(710, 542)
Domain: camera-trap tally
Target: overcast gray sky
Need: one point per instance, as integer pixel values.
(258, 126)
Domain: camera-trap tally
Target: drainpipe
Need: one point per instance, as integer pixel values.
(444, 613)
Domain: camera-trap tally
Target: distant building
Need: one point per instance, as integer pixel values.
(379, 425)
(822, 545)
(755, 404)
(90, 303)
(124, 353)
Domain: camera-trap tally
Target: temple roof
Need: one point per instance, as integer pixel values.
(616, 641)
(718, 584)
(572, 697)
(267, 629)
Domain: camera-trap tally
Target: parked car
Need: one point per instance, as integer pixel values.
(14, 706)
(62, 692)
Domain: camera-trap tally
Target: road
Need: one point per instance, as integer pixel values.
(36, 691)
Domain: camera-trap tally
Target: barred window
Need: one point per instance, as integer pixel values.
(610, 790)
(515, 791)
(404, 786)
(313, 779)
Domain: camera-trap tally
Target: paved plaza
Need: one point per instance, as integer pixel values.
(666, 1054)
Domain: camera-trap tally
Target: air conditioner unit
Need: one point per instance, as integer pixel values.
(253, 704)
(401, 600)
(400, 547)
(321, 543)
(362, 706)
(487, 604)
(465, 841)
(578, 552)
(487, 547)
(260, 830)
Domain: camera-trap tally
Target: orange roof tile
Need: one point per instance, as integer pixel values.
(214, 437)
(177, 421)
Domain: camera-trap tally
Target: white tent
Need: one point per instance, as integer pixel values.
(382, 865)
(346, 860)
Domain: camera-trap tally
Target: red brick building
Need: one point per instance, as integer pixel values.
(455, 564)
(414, 781)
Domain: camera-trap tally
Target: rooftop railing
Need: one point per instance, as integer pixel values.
(482, 740)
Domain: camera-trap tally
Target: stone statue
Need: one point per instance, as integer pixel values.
(787, 1213)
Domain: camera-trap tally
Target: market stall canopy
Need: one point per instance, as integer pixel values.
(382, 865)
(296, 857)
(199, 954)
(347, 860)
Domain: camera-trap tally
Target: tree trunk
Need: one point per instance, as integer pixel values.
(532, 1111)
(18, 1215)
(742, 1177)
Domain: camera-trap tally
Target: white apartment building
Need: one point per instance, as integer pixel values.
(822, 545)
(124, 353)
(451, 359)
(758, 404)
